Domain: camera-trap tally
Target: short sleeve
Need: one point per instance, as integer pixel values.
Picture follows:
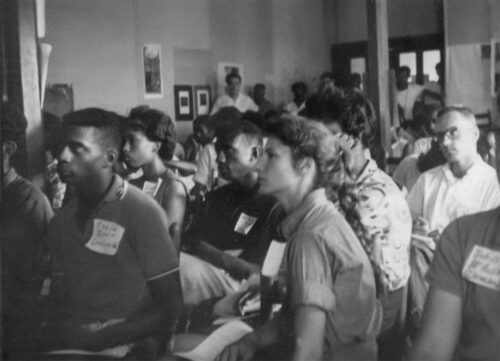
(445, 270)
(309, 272)
(202, 174)
(152, 243)
(415, 198)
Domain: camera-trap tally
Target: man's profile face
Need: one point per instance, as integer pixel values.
(236, 160)
(82, 155)
(233, 86)
(457, 137)
(402, 79)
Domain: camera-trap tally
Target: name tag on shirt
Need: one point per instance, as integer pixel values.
(483, 267)
(151, 188)
(244, 224)
(274, 256)
(106, 237)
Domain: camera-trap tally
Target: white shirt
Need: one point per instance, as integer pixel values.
(293, 109)
(406, 99)
(242, 103)
(439, 197)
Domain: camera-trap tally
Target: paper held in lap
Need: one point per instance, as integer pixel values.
(213, 345)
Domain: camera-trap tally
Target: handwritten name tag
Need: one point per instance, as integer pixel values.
(244, 224)
(151, 188)
(274, 257)
(483, 267)
(106, 237)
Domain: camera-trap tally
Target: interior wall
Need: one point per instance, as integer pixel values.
(405, 18)
(97, 46)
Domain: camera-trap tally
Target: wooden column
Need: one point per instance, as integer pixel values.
(23, 88)
(378, 66)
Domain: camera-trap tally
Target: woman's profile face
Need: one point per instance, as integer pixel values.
(277, 174)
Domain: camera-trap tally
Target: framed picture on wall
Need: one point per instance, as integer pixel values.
(225, 68)
(202, 98)
(183, 98)
(151, 60)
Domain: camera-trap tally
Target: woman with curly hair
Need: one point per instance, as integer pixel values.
(149, 142)
(330, 311)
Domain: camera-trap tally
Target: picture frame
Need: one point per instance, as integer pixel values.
(183, 101)
(151, 61)
(202, 99)
(225, 68)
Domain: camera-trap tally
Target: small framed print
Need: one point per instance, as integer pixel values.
(202, 98)
(183, 97)
(151, 59)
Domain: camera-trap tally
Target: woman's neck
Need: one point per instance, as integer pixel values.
(154, 169)
(291, 199)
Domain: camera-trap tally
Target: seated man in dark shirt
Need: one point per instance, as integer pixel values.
(24, 215)
(231, 232)
(115, 279)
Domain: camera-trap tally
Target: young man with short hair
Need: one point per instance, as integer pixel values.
(233, 96)
(115, 279)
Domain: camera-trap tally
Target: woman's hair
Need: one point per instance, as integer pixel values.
(157, 126)
(311, 139)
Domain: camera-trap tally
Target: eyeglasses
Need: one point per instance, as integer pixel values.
(452, 133)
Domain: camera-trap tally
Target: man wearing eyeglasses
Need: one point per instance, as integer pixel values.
(465, 184)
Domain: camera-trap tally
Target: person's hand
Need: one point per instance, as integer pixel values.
(242, 350)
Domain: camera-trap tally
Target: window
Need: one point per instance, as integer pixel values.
(431, 58)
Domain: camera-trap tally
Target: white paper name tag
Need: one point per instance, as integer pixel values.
(483, 267)
(106, 237)
(245, 223)
(151, 188)
(273, 259)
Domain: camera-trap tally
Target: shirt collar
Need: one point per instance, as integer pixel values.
(369, 168)
(478, 162)
(10, 176)
(290, 224)
(117, 190)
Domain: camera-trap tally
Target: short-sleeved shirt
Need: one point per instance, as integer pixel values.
(467, 264)
(293, 109)
(233, 217)
(243, 103)
(327, 268)
(106, 266)
(25, 213)
(386, 221)
(159, 189)
(406, 99)
(207, 172)
(407, 173)
(439, 197)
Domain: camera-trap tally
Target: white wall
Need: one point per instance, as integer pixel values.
(97, 46)
(346, 20)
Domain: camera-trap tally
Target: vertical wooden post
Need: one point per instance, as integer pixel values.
(23, 87)
(378, 67)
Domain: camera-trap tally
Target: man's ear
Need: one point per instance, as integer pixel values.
(256, 153)
(304, 165)
(157, 147)
(9, 147)
(111, 157)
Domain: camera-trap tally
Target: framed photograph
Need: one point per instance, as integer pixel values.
(225, 68)
(202, 98)
(151, 60)
(183, 97)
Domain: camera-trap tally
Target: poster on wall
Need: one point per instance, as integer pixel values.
(225, 68)
(183, 98)
(151, 59)
(202, 97)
